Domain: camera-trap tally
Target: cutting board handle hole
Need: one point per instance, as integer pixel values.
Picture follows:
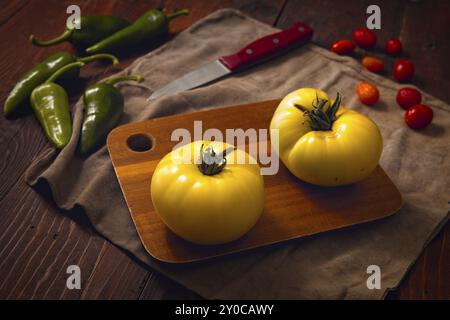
(140, 142)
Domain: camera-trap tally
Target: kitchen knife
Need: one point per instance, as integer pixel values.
(256, 52)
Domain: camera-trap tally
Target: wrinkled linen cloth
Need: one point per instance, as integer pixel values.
(332, 265)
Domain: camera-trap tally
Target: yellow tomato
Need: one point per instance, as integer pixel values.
(213, 206)
(342, 151)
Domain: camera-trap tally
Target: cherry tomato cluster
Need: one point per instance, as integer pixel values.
(417, 115)
(367, 39)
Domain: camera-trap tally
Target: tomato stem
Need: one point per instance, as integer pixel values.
(212, 163)
(319, 119)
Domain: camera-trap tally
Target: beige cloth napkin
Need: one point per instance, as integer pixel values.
(326, 266)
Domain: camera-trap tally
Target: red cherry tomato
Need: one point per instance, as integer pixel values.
(373, 64)
(407, 97)
(403, 69)
(393, 47)
(343, 47)
(364, 38)
(367, 93)
(418, 116)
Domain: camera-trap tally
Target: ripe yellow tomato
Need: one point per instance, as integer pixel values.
(322, 142)
(208, 203)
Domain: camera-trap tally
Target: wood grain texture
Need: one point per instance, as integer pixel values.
(21, 140)
(15, 136)
(42, 274)
(37, 244)
(158, 287)
(10, 8)
(116, 276)
(292, 209)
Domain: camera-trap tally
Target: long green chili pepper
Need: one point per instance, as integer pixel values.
(20, 94)
(103, 107)
(92, 30)
(150, 25)
(51, 107)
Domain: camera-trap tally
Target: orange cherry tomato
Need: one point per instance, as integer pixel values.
(367, 93)
(373, 64)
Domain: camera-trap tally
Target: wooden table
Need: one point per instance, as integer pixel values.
(38, 241)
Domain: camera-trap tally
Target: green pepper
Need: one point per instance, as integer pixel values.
(103, 107)
(93, 29)
(51, 107)
(150, 25)
(20, 94)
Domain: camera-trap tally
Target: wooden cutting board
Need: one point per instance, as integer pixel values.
(293, 209)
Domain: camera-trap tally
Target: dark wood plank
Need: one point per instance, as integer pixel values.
(425, 34)
(16, 135)
(17, 151)
(116, 276)
(332, 21)
(39, 240)
(9, 8)
(158, 287)
(263, 10)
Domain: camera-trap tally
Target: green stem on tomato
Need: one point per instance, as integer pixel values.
(319, 119)
(210, 162)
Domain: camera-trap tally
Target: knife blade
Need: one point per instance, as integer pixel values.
(256, 52)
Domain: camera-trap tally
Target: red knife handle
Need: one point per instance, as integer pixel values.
(268, 46)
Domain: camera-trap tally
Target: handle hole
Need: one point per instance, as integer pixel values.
(139, 142)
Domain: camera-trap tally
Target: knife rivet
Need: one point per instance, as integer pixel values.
(275, 40)
(249, 51)
(301, 29)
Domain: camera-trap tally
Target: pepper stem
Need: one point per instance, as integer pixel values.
(177, 13)
(62, 70)
(45, 43)
(117, 79)
(212, 163)
(88, 59)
